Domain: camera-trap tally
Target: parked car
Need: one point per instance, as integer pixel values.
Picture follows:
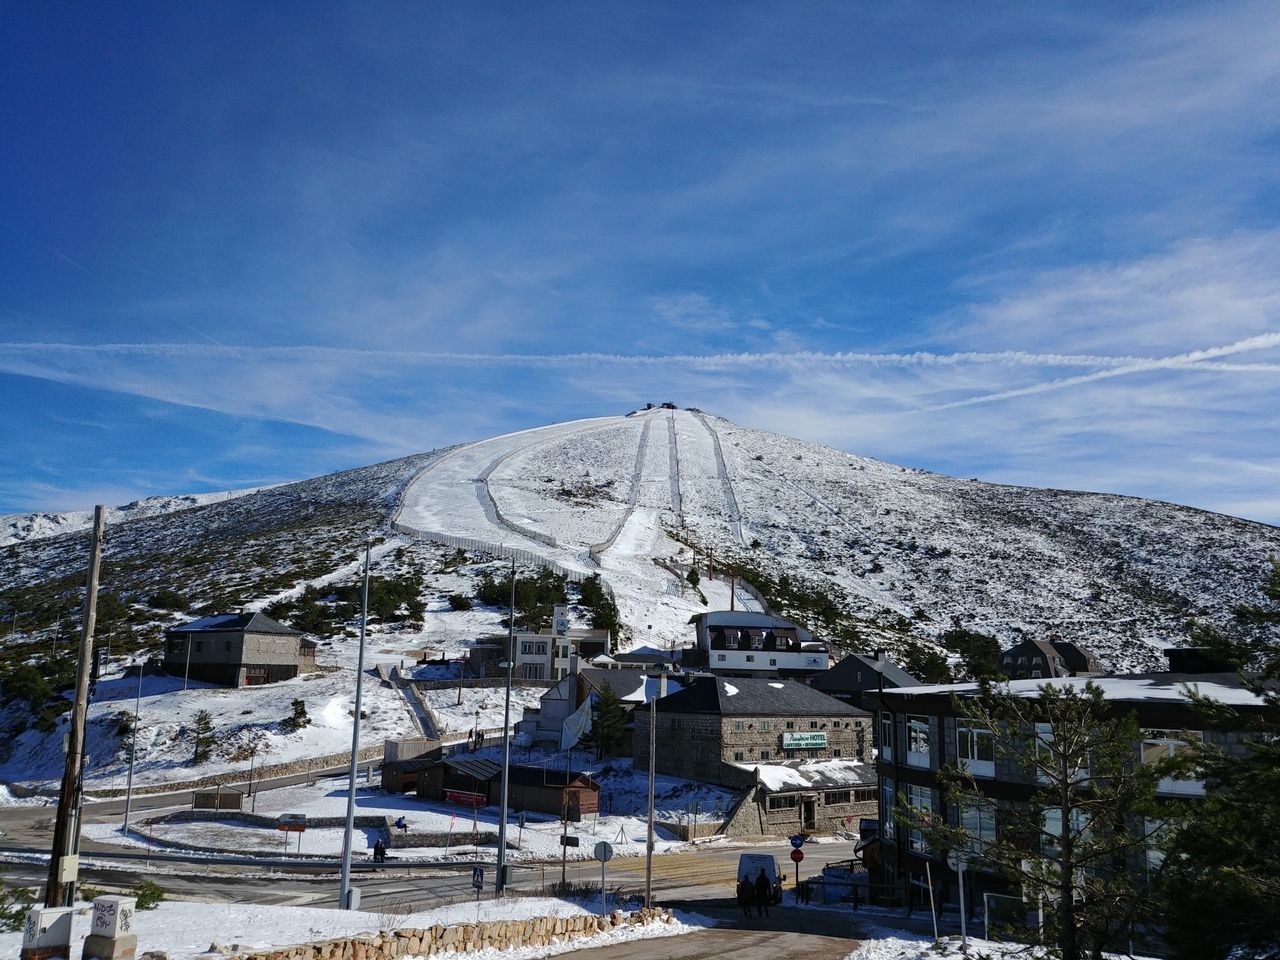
(751, 864)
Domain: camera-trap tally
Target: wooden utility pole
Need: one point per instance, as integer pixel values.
(60, 889)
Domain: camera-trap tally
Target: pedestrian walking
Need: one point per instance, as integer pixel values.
(379, 851)
(763, 891)
(746, 893)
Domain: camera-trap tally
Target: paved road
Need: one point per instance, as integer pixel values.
(786, 932)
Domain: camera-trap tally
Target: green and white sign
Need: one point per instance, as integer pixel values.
(804, 741)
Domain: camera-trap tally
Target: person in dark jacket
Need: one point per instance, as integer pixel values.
(746, 894)
(764, 893)
(379, 852)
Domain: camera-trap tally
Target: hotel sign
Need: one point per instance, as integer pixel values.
(803, 741)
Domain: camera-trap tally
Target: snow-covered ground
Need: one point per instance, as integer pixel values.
(481, 707)
(573, 482)
(892, 545)
(184, 931)
(884, 944)
(624, 798)
(244, 720)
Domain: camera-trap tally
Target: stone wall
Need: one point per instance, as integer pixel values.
(462, 938)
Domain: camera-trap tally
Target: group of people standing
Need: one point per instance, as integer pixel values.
(756, 893)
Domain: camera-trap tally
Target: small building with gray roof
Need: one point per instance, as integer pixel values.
(237, 650)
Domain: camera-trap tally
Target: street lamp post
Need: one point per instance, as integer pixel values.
(133, 753)
(500, 883)
(344, 884)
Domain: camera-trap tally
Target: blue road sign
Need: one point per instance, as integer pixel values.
(797, 841)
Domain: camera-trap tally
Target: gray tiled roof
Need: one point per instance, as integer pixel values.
(740, 696)
(248, 622)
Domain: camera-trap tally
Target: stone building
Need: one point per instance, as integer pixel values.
(805, 796)
(237, 650)
(714, 729)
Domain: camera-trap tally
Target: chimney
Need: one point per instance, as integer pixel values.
(575, 666)
(662, 684)
(880, 655)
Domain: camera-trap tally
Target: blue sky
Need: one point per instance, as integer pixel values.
(243, 243)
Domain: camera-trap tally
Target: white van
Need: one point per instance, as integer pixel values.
(750, 865)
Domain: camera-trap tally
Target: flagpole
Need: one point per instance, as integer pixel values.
(500, 883)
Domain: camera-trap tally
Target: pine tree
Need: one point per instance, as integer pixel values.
(296, 720)
(608, 722)
(1084, 811)
(1219, 878)
(202, 735)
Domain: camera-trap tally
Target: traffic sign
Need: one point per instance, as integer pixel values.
(955, 861)
(292, 822)
(567, 841)
(477, 878)
(797, 856)
(797, 841)
(603, 851)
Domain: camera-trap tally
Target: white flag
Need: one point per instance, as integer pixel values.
(576, 725)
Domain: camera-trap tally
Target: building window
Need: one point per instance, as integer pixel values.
(751, 658)
(864, 795)
(887, 824)
(1155, 855)
(773, 661)
(787, 802)
(920, 800)
(1160, 745)
(977, 750)
(764, 726)
(541, 648)
(813, 724)
(526, 648)
(199, 645)
(917, 741)
(739, 726)
(720, 656)
(886, 736)
(1051, 839)
(835, 752)
(764, 754)
(791, 724)
(833, 797)
(980, 823)
(739, 756)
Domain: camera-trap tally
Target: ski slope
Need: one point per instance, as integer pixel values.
(595, 496)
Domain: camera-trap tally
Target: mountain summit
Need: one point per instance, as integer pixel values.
(865, 552)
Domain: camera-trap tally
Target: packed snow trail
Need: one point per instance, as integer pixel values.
(730, 500)
(555, 493)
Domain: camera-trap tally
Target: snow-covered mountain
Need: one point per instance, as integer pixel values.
(20, 527)
(867, 552)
